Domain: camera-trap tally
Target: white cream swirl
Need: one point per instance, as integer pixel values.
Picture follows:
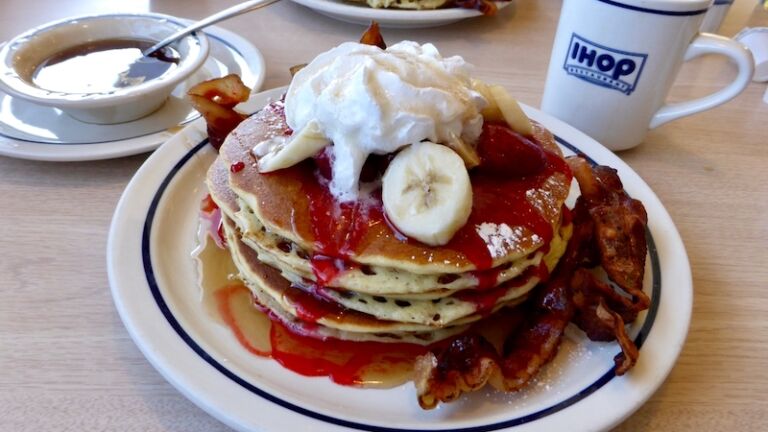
(368, 100)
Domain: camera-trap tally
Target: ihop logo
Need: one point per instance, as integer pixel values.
(603, 66)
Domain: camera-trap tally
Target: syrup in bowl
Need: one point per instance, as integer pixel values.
(103, 66)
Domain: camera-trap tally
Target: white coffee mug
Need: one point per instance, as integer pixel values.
(614, 61)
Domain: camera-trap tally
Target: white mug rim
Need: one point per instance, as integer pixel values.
(663, 7)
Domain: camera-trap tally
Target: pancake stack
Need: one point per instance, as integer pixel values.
(327, 270)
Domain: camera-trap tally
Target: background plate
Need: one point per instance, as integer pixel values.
(392, 18)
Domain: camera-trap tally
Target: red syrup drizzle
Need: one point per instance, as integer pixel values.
(337, 227)
(542, 271)
(211, 214)
(344, 362)
(326, 269)
(487, 278)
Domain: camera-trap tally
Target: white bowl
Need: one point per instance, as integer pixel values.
(20, 57)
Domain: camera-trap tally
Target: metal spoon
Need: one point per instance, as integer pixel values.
(146, 66)
(234, 11)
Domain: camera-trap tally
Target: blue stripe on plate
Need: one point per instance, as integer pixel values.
(654, 11)
(158, 296)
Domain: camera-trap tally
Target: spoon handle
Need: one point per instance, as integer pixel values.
(235, 10)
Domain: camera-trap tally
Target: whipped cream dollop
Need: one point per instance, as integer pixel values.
(368, 100)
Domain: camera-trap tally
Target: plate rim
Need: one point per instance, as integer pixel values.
(148, 170)
(20, 148)
(393, 17)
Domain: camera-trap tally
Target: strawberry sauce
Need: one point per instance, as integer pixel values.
(370, 364)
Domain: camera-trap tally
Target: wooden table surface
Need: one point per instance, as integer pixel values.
(67, 362)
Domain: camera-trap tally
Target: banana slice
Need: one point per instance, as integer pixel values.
(491, 112)
(275, 154)
(426, 192)
(510, 109)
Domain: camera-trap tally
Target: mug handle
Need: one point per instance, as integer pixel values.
(706, 43)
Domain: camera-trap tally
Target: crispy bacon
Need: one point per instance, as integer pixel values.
(619, 226)
(465, 365)
(601, 312)
(609, 230)
(215, 100)
(372, 36)
(619, 236)
(226, 91)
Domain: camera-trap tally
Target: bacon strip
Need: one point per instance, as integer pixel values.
(226, 91)
(215, 100)
(597, 304)
(619, 235)
(620, 223)
(372, 36)
(528, 350)
(466, 365)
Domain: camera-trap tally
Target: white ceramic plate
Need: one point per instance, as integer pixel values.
(153, 280)
(392, 18)
(29, 131)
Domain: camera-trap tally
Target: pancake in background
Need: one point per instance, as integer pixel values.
(404, 4)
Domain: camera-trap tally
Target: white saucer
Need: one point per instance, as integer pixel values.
(392, 18)
(29, 131)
